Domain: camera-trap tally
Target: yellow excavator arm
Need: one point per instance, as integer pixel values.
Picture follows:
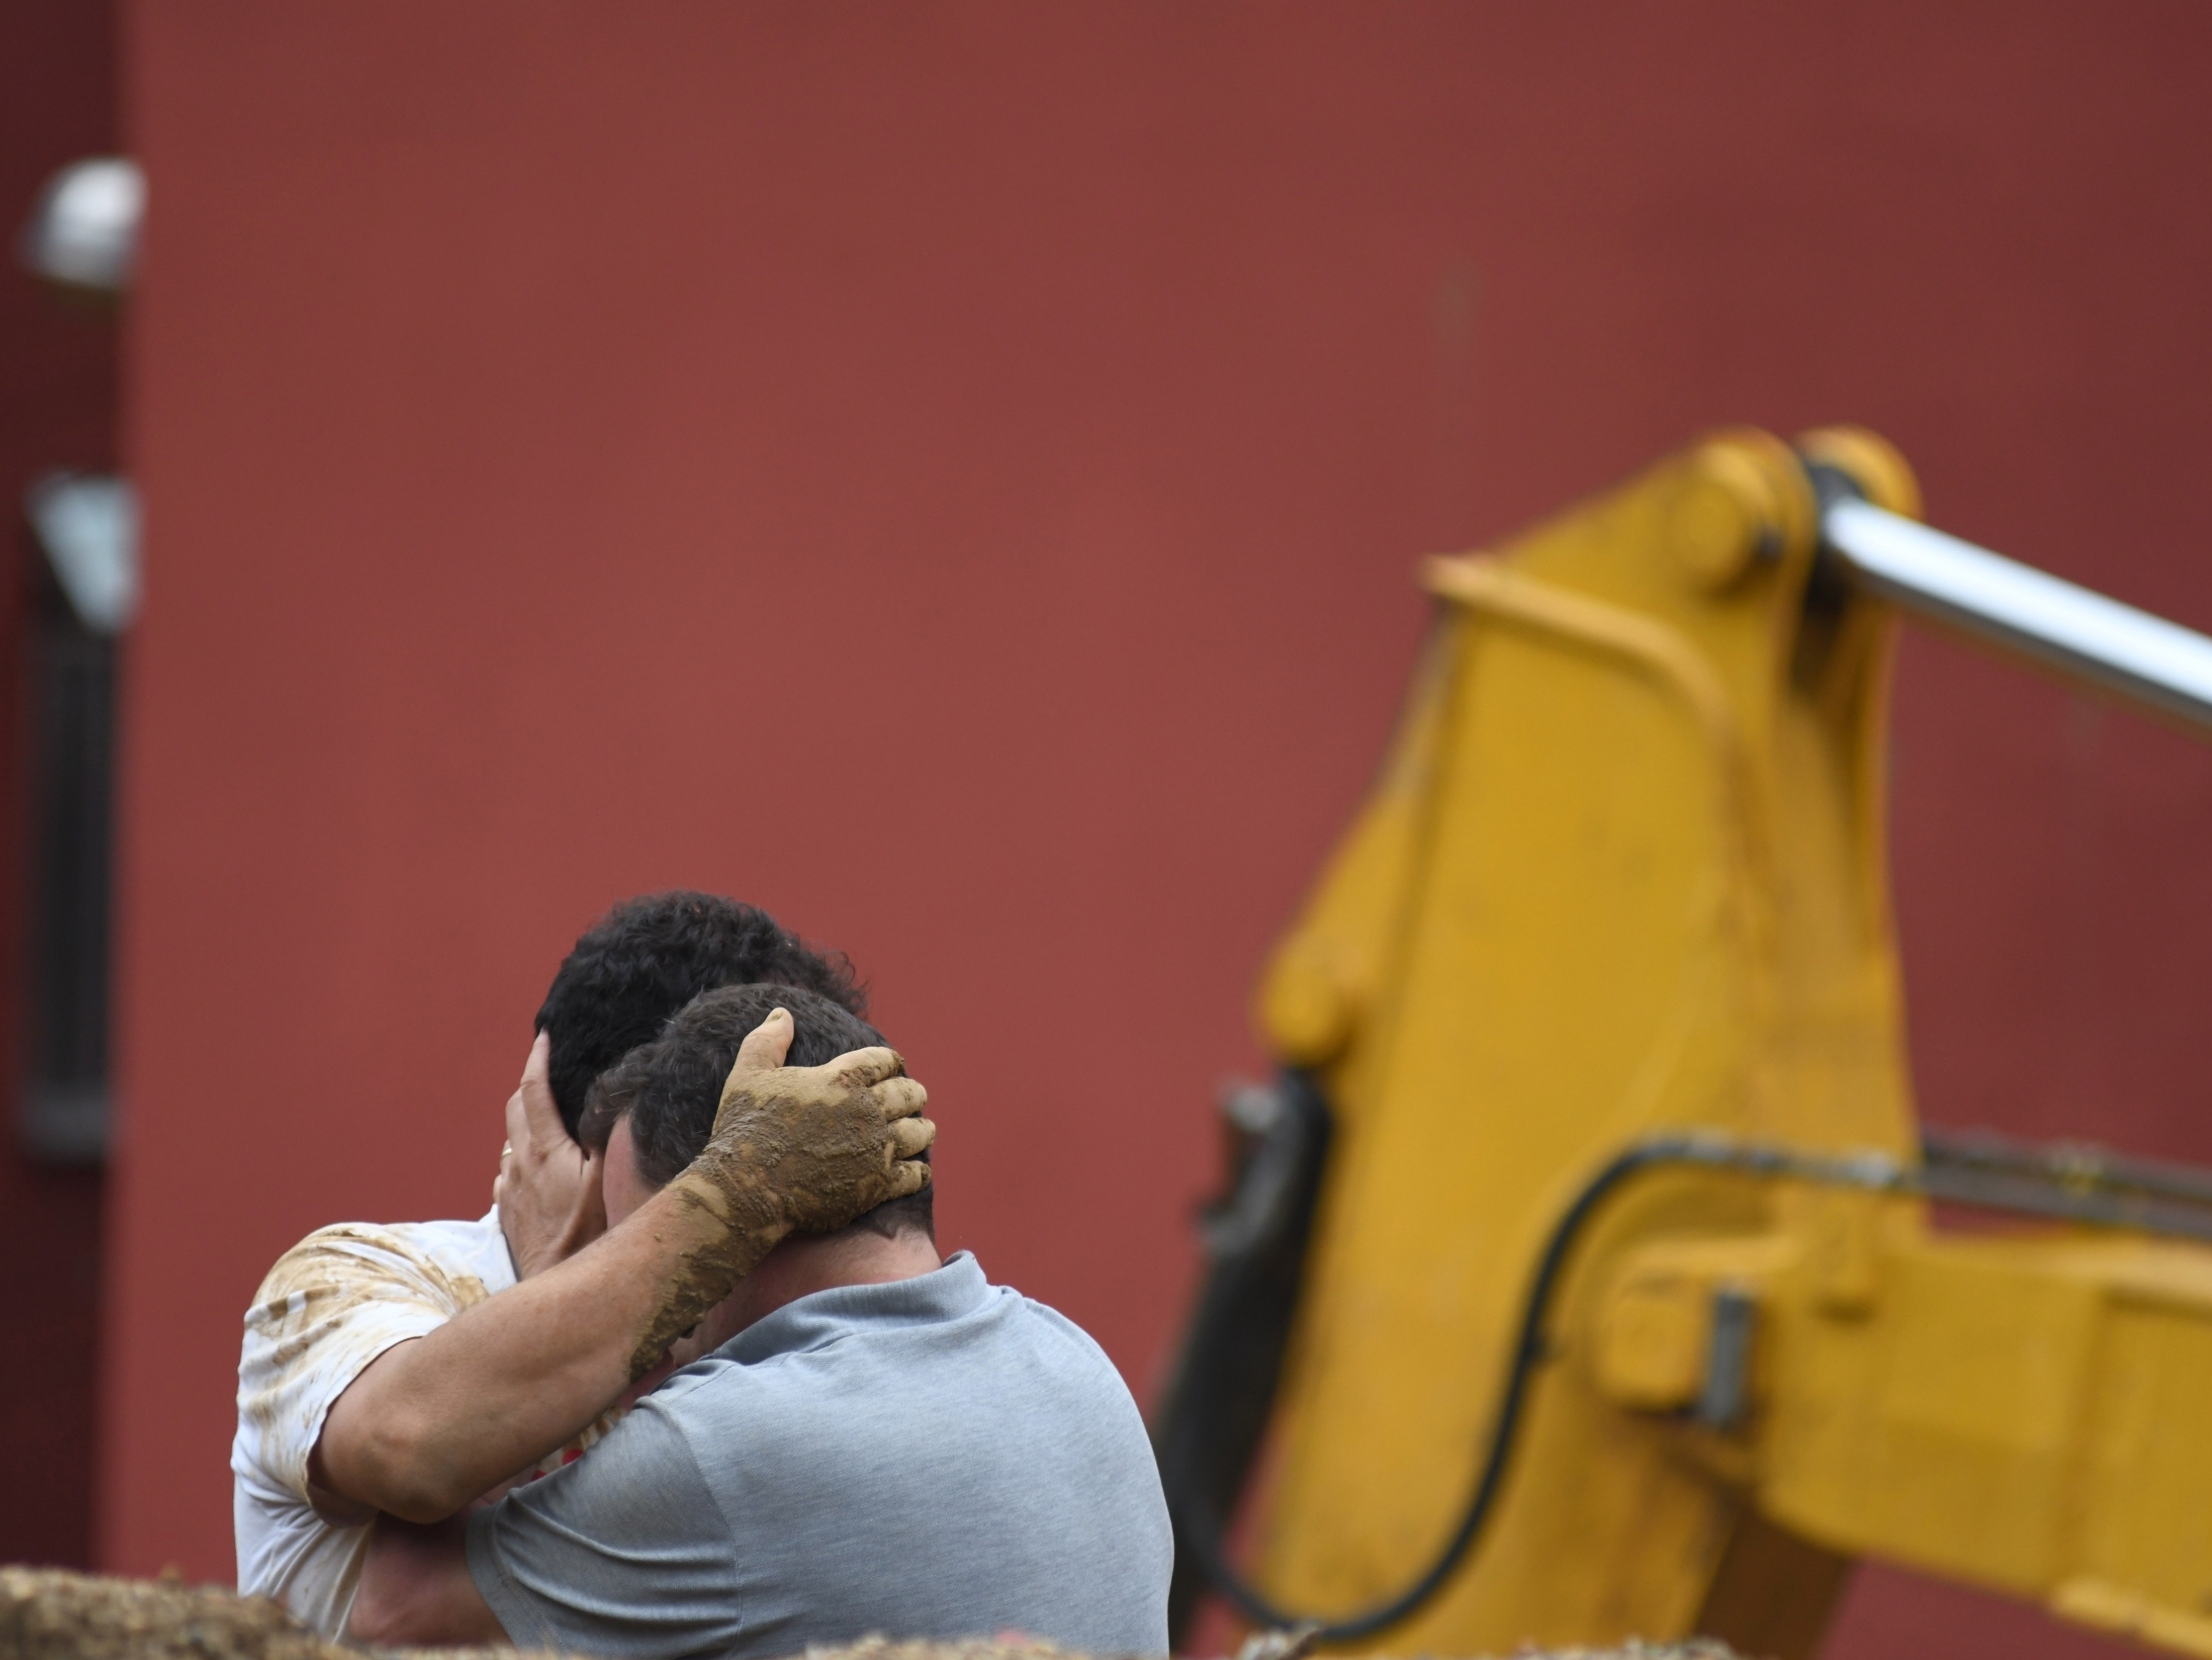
(1579, 1283)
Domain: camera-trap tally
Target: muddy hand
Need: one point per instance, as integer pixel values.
(831, 1142)
(795, 1150)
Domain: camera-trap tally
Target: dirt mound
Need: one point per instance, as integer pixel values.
(46, 1614)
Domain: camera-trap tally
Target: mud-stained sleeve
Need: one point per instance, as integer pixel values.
(333, 1304)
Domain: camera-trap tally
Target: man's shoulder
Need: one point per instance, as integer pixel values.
(1015, 1320)
(1043, 1324)
(331, 1304)
(454, 1264)
(984, 1347)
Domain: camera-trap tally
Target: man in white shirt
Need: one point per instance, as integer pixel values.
(407, 1370)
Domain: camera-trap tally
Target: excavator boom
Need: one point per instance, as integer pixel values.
(1580, 1282)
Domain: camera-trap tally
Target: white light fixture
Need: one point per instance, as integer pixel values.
(88, 523)
(84, 231)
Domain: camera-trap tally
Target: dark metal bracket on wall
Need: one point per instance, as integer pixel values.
(84, 578)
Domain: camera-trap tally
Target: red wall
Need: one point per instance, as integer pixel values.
(953, 474)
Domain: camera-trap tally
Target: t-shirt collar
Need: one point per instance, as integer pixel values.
(943, 1294)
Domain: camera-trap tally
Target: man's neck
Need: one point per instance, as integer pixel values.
(805, 1264)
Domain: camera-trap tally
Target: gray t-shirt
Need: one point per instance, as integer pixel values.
(940, 1458)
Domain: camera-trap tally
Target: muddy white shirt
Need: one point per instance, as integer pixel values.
(333, 1304)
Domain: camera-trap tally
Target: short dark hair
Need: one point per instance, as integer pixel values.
(670, 1088)
(650, 956)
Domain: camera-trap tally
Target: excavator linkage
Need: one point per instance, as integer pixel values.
(1577, 1280)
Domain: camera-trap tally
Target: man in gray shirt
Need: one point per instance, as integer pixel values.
(870, 1440)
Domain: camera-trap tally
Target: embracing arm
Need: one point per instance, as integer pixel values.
(416, 1589)
(623, 1551)
(434, 1422)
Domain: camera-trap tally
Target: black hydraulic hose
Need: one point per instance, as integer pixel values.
(1873, 1171)
(1713, 1152)
(1528, 1348)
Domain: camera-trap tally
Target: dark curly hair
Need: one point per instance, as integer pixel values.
(669, 1089)
(647, 958)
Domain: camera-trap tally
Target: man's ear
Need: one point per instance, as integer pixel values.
(595, 1128)
(622, 1184)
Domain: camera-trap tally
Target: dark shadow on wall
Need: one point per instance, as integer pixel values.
(57, 410)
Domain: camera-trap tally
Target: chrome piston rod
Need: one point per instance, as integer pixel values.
(2083, 635)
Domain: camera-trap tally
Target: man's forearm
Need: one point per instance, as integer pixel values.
(416, 1589)
(436, 1421)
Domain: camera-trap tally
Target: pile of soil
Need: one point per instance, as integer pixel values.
(49, 1614)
